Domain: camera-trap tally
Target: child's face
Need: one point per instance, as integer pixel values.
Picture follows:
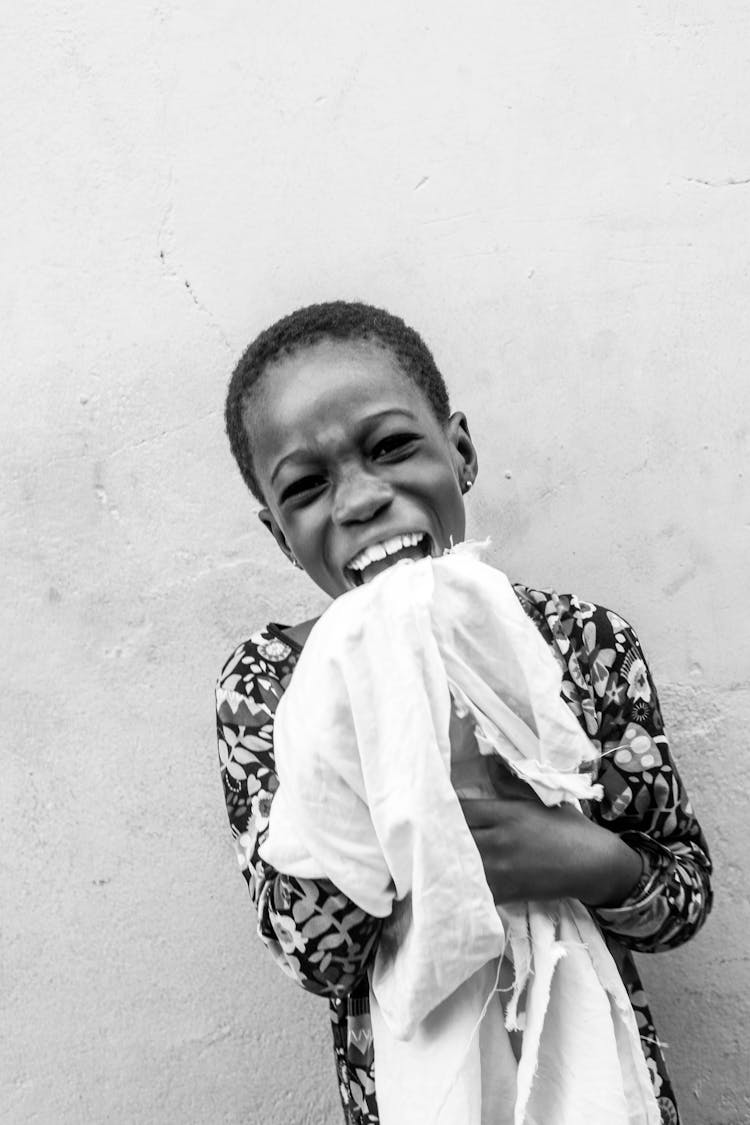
(350, 455)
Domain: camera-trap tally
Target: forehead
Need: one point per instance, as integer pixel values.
(337, 381)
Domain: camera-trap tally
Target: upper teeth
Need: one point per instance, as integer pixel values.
(380, 551)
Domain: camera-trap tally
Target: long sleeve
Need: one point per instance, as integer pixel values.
(317, 935)
(608, 685)
(646, 803)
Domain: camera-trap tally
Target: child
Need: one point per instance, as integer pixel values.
(339, 421)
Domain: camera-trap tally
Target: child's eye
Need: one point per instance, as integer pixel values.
(303, 489)
(395, 446)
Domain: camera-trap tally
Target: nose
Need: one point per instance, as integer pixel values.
(360, 497)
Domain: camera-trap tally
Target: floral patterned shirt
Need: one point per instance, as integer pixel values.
(325, 942)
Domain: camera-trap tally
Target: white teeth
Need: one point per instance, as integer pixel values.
(379, 551)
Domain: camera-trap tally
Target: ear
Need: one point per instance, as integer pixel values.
(266, 517)
(464, 453)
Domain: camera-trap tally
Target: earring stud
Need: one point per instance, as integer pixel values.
(468, 484)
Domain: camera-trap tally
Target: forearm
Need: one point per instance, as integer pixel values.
(670, 901)
(608, 869)
(316, 934)
(534, 852)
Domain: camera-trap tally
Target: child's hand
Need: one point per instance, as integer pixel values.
(530, 851)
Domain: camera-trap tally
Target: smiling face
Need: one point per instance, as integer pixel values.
(354, 466)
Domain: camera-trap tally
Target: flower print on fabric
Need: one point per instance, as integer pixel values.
(637, 677)
(325, 942)
(639, 752)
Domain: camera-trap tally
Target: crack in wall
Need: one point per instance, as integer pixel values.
(728, 181)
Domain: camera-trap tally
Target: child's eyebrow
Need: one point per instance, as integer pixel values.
(364, 424)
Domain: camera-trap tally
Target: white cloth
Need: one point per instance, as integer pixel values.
(366, 800)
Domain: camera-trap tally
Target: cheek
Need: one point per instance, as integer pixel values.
(459, 520)
(446, 497)
(450, 488)
(458, 509)
(307, 538)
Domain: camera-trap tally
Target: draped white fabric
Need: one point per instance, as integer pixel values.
(366, 800)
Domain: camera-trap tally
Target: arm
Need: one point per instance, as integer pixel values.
(639, 858)
(531, 851)
(645, 803)
(534, 852)
(316, 935)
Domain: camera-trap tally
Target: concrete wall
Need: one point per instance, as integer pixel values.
(559, 198)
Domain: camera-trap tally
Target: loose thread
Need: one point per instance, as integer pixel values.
(495, 990)
(656, 1041)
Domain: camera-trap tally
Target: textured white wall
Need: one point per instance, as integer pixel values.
(559, 198)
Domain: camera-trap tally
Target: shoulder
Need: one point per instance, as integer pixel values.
(264, 652)
(605, 678)
(254, 677)
(571, 616)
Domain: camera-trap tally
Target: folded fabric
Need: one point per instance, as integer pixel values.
(366, 799)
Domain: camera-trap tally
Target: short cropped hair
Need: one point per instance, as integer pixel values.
(335, 320)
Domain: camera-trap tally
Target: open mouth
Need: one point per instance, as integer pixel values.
(373, 560)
